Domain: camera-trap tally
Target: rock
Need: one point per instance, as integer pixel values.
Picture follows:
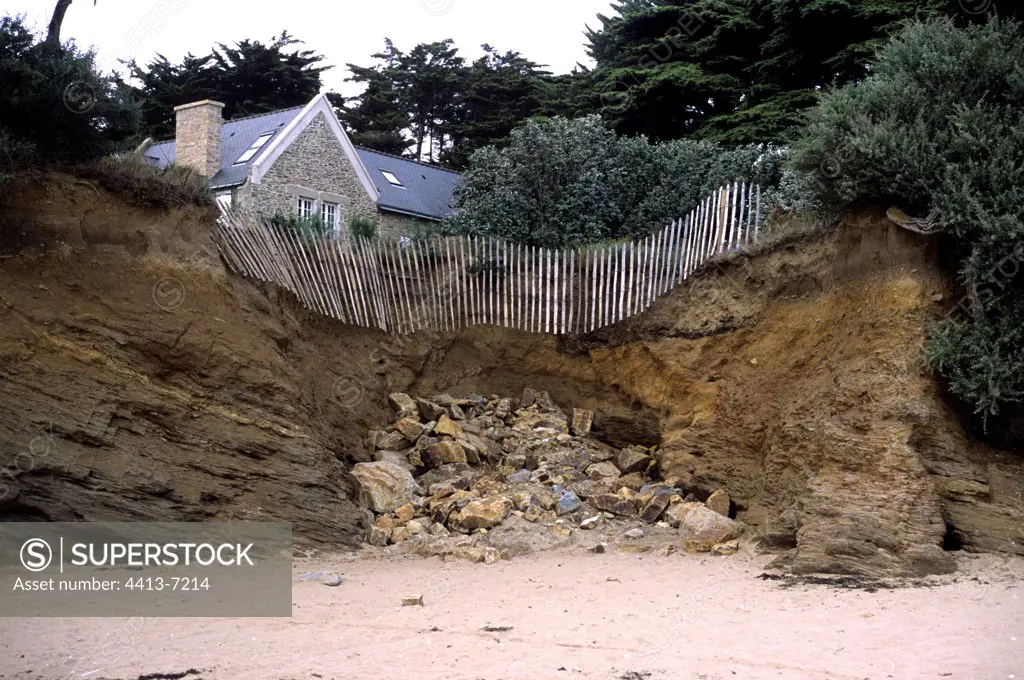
(392, 441)
(445, 452)
(405, 513)
(561, 529)
(397, 457)
(503, 409)
(568, 502)
(383, 486)
(415, 527)
(522, 500)
(485, 554)
(600, 548)
(585, 489)
(927, 559)
(719, 502)
(520, 477)
(481, 514)
(456, 412)
(655, 507)
(633, 459)
(636, 532)
(377, 536)
(529, 398)
(414, 601)
(633, 481)
(403, 404)
(410, 428)
(582, 420)
(437, 529)
(447, 426)
(727, 548)
(602, 471)
(533, 513)
(702, 528)
(430, 411)
(472, 452)
(666, 550)
(400, 534)
(614, 504)
(590, 522)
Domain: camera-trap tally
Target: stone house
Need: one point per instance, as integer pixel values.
(301, 161)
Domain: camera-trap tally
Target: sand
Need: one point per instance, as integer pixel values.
(563, 615)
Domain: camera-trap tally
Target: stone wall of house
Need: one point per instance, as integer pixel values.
(313, 166)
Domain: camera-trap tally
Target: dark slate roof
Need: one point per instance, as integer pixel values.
(426, 190)
(238, 135)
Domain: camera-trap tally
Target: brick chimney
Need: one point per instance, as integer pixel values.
(197, 135)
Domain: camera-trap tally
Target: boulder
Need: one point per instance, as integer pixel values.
(727, 548)
(392, 441)
(602, 471)
(472, 451)
(405, 513)
(456, 412)
(377, 536)
(445, 452)
(528, 399)
(719, 502)
(503, 408)
(568, 502)
(700, 527)
(481, 514)
(383, 486)
(655, 507)
(430, 410)
(447, 426)
(410, 428)
(617, 505)
(582, 420)
(403, 404)
(591, 522)
(633, 459)
(399, 458)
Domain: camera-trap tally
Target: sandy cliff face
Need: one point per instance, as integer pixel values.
(138, 380)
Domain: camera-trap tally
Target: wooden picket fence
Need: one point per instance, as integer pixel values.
(446, 283)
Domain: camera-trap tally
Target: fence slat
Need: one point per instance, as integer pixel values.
(448, 283)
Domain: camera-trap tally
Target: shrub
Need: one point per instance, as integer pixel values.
(362, 226)
(939, 125)
(142, 184)
(55, 100)
(304, 227)
(566, 182)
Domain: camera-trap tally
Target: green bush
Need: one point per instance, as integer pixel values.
(563, 182)
(939, 125)
(55, 101)
(141, 183)
(304, 227)
(361, 226)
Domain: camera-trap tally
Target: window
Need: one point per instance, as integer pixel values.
(256, 146)
(330, 213)
(305, 208)
(390, 176)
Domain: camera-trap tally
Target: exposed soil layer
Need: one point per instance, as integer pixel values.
(138, 380)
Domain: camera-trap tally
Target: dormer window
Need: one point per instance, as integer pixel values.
(390, 177)
(254, 149)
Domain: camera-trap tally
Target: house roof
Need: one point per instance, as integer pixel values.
(425, 190)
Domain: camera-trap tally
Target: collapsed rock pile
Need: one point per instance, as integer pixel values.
(450, 466)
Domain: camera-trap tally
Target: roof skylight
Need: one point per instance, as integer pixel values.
(254, 149)
(390, 176)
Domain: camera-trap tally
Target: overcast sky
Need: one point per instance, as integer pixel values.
(546, 31)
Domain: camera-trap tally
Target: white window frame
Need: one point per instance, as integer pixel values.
(260, 142)
(305, 207)
(334, 222)
(391, 178)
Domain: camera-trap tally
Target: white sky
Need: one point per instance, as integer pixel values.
(547, 31)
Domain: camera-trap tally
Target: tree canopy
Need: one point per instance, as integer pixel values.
(250, 77)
